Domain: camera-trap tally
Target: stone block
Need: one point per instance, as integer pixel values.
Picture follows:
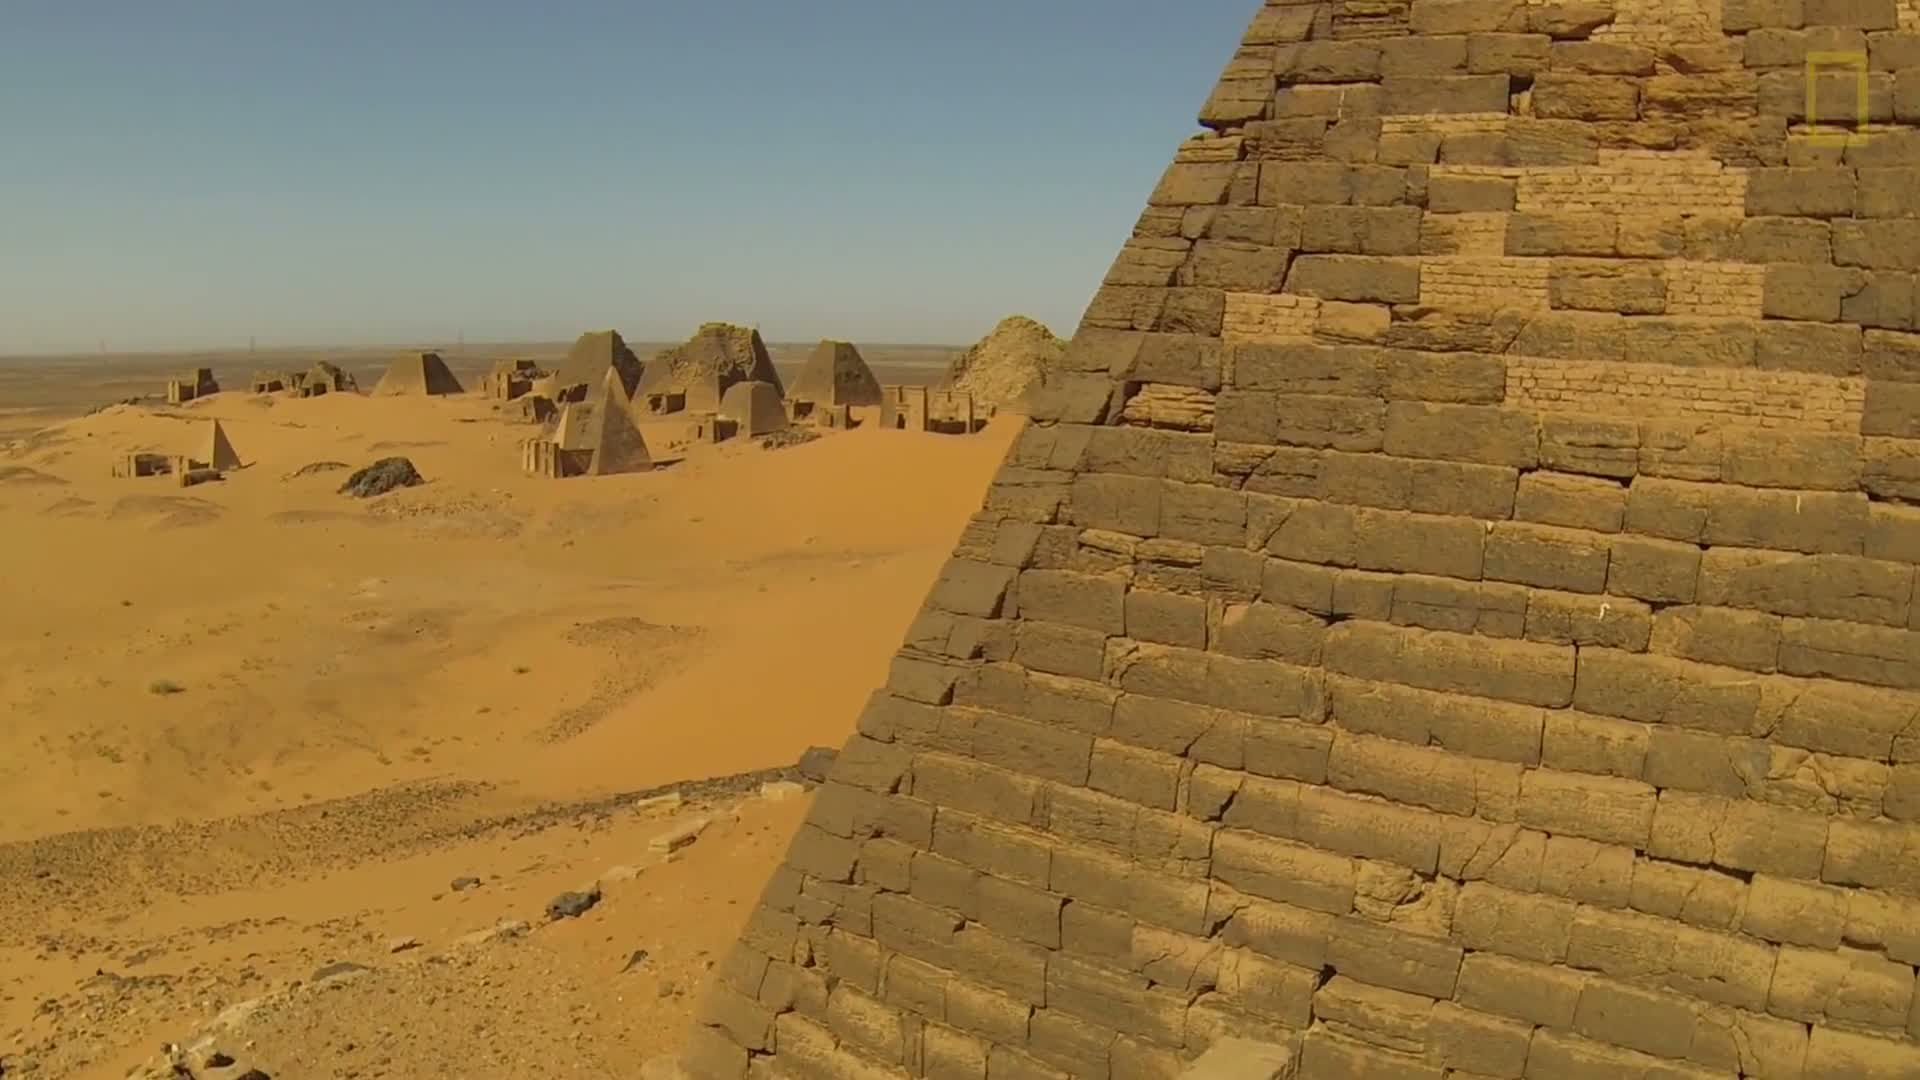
(1526, 991)
(1357, 278)
(1546, 556)
(1395, 959)
(1526, 673)
(1242, 1059)
(1600, 745)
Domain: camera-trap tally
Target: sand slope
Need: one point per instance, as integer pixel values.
(479, 646)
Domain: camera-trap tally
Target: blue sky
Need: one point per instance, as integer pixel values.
(189, 173)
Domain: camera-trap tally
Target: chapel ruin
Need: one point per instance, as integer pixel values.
(1453, 614)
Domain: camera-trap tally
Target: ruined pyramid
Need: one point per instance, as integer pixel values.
(214, 451)
(417, 373)
(836, 374)
(593, 355)
(713, 359)
(1452, 614)
(1010, 363)
(617, 444)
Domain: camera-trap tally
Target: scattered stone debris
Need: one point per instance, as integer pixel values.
(509, 928)
(462, 884)
(817, 762)
(793, 436)
(402, 944)
(381, 477)
(618, 874)
(781, 790)
(336, 972)
(678, 837)
(572, 905)
(317, 467)
(637, 959)
(672, 800)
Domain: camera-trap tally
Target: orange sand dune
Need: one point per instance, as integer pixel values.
(716, 616)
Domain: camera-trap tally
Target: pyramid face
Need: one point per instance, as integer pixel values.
(595, 353)
(616, 443)
(1451, 616)
(418, 373)
(836, 374)
(215, 449)
(718, 352)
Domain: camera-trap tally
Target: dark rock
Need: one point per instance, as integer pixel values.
(638, 959)
(572, 905)
(218, 1060)
(254, 1074)
(381, 477)
(462, 884)
(334, 971)
(817, 762)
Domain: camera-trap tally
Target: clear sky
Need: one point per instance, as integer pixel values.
(189, 173)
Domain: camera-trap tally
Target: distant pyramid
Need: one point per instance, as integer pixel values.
(596, 352)
(617, 444)
(418, 373)
(712, 360)
(571, 429)
(836, 374)
(215, 451)
(1013, 360)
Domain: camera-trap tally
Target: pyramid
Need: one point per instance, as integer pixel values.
(214, 450)
(1007, 365)
(418, 373)
(616, 443)
(713, 359)
(573, 428)
(755, 406)
(1451, 614)
(836, 374)
(593, 354)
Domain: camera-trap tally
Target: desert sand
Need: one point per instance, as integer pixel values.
(256, 727)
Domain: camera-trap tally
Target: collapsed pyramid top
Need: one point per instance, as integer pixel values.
(836, 374)
(1451, 614)
(418, 373)
(593, 354)
(719, 354)
(1012, 361)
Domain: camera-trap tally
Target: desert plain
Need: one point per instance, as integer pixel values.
(255, 731)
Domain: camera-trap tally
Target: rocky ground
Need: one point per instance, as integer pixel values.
(490, 973)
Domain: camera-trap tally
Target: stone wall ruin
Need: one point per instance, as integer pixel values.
(1496, 653)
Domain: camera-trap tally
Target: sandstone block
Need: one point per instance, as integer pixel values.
(1358, 278)
(1546, 556)
(1559, 618)
(1534, 993)
(1660, 571)
(1833, 1054)
(1607, 809)
(1850, 986)
(1528, 927)
(1480, 434)
(1601, 745)
(1596, 446)
(1523, 672)
(1724, 636)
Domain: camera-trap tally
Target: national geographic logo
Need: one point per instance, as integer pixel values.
(1830, 64)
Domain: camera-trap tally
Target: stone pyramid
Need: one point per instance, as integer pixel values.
(1453, 615)
(595, 353)
(755, 407)
(713, 359)
(617, 444)
(214, 450)
(836, 374)
(418, 373)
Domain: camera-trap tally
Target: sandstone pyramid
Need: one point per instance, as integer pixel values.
(418, 373)
(836, 374)
(1451, 616)
(1011, 362)
(617, 444)
(713, 359)
(214, 450)
(595, 353)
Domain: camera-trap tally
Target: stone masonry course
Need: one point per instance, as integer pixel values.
(1455, 613)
